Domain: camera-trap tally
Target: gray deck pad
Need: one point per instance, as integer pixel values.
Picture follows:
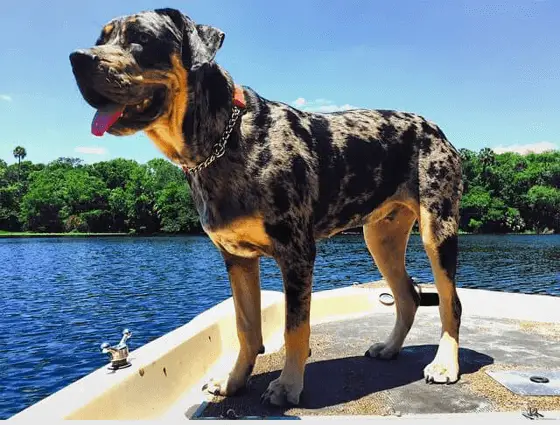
(339, 380)
(519, 381)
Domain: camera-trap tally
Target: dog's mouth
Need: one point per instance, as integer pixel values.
(117, 115)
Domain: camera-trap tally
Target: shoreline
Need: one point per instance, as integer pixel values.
(16, 235)
(8, 235)
(461, 233)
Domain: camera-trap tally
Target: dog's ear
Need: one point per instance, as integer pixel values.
(212, 37)
(200, 43)
(176, 16)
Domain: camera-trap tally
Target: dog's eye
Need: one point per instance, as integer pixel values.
(143, 38)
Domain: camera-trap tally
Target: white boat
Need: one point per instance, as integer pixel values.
(509, 349)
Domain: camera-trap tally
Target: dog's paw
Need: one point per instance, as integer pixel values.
(224, 387)
(382, 351)
(281, 393)
(441, 373)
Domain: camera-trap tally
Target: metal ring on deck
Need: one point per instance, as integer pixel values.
(386, 299)
(539, 379)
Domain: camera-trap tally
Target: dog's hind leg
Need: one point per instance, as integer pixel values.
(440, 194)
(387, 240)
(245, 284)
(442, 252)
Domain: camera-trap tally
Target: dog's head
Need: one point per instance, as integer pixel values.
(137, 65)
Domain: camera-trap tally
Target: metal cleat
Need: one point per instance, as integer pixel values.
(119, 353)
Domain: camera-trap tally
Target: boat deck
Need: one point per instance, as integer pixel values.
(341, 381)
(501, 333)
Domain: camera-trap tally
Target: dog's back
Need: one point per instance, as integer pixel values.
(339, 168)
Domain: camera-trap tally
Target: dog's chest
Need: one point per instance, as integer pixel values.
(171, 143)
(243, 237)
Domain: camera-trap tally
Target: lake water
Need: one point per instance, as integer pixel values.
(62, 297)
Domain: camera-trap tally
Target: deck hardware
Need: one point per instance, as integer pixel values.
(386, 299)
(532, 413)
(230, 414)
(119, 353)
(539, 379)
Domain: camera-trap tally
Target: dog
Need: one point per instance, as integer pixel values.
(270, 180)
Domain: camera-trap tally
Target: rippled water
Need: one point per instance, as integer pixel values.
(62, 297)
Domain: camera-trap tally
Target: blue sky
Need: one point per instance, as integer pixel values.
(487, 72)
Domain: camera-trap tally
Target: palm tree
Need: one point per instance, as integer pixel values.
(19, 153)
(487, 158)
(466, 155)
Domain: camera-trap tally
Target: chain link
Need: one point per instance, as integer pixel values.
(219, 149)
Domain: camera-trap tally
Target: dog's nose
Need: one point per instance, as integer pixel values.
(83, 60)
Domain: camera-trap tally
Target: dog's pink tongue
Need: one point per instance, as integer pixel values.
(104, 118)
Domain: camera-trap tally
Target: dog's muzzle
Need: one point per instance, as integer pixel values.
(83, 62)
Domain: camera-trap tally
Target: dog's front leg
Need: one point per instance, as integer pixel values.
(296, 264)
(245, 284)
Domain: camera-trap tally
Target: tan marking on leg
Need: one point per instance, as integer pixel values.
(387, 241)
(445, 367)
(245, 284)
(288, 387)
(245, 237)
(297, 350)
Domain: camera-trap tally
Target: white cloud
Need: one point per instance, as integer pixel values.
(320, 105)
(5, 97)
(91, 150)
(528, 148)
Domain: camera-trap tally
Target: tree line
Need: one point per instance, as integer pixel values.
(503, 193)
(118, 196)
(510, 192)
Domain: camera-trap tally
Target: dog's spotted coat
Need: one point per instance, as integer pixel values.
(288, 179)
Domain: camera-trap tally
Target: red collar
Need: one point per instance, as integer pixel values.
(239, 97)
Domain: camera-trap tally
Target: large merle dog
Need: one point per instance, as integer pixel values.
(268, 179)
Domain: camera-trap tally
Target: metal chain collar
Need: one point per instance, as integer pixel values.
(219, 149)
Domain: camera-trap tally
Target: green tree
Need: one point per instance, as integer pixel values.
(85, 197)
(118, 210)
(487, 159)
(469, 164)
(115, 173)
(545, 203)
(66, 162)
(64, 199)
(174, 205)
(140, 200)
(19, 153)
(42, 204)
(176, 210)
(8, 200)
(482, 212)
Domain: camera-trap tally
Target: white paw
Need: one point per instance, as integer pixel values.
(225, 387)
(441, 373)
